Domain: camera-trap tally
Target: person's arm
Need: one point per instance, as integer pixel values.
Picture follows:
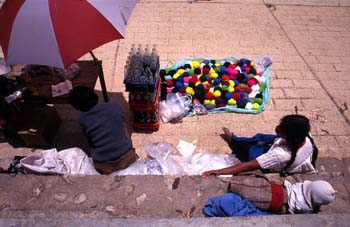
(235, 169)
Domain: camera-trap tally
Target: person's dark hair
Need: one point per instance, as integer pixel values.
(82, 98)
(296, 128)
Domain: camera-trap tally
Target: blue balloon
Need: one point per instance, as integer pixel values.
(216, 81)
(228, 95)
(243, 60)
(180, 79)
(178, 84)
(223, 69)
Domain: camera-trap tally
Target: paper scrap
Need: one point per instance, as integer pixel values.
(186, 149)
(61, 88)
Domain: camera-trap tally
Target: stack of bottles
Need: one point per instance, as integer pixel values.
(141, 69)
(143, 84)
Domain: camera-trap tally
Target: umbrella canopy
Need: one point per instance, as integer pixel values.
(58, 32)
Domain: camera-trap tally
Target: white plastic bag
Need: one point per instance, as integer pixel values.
(201, 162)
(68, 161)
(175, 107)
(262, 63)
(142, 167)
(167, 160)
(167, 156)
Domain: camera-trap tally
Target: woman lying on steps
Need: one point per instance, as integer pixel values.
(252, 193)
(291, 151)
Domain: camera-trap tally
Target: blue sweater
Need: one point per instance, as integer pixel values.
(104, 129)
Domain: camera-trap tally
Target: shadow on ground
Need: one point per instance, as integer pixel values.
(69, 133)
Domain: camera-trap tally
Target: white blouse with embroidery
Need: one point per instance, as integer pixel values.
(279, 154)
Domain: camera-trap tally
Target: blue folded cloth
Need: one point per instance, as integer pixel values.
(230, 204)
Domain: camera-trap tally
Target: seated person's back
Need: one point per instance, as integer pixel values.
(103, 126)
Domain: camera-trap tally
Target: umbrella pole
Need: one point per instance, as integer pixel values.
(101, 77)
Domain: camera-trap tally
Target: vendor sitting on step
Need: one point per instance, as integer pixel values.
(103, 126)
(291, 151)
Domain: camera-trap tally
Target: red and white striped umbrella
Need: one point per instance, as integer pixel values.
(58, 32)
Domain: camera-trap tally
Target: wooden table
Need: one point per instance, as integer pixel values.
(40, 86)
(40, 93)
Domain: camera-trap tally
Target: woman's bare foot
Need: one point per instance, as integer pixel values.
(227, 134)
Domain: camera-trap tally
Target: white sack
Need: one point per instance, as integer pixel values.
(68, 161)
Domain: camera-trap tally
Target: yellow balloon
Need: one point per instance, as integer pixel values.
(232, 83)
(176, 75)
(190, 91)
(195, 64)
(217, 93)
(214, 75)
(211, 71)
(231, 89)
(256, 106)
(180, 71)
(231, 102)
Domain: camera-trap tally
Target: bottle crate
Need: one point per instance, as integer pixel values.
(146, 121)
(143, 101)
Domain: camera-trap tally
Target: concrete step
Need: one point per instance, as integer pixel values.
(30, 196)
(317, 220)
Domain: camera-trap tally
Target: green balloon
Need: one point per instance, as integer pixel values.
(262, 85)
(259, 100)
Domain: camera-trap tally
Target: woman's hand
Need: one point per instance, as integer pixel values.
(210, 172)
(233, 170)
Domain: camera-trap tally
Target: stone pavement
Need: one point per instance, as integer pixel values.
(309, 42)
